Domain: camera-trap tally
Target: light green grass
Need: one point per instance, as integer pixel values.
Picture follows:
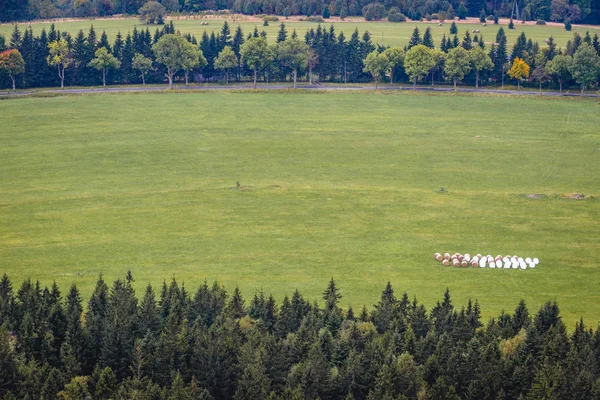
(393, 34)
(341, 185)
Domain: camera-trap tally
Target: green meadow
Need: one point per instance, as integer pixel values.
(342, 185)
(386, 33)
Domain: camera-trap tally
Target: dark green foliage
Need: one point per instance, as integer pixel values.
(20, 10)
(428, 39)
(568, 25)
(210, 346)
(462, 11)
(453, 28)
(415, 39)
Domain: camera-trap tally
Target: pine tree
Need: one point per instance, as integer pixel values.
(453, 28)
(95, 321)
(331, 295)
(428, 39)
(282, 33)
(121, 327)
(236, 307)
(466, 43)
(443, 44)
(149, 314)
(15, 38)
(415, 39)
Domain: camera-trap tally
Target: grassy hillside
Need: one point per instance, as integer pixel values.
(395, 34)
(339, 185)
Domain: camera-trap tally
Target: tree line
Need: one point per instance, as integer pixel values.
(586, 11)
(56, 58)
(216, 345)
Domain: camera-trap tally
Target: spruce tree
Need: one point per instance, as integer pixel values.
(236, 307)
(466, 43)
(282, 33)
(453, 28)
(415, 39)
(428, 39)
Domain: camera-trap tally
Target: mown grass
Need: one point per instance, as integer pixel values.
(342, 185)
(386, 33)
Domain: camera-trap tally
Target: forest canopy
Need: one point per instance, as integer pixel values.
(585, 11)
(214, 344)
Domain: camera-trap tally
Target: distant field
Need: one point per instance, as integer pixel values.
(337, 185)
(396, 34)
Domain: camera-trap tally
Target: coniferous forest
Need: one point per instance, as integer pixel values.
(211, 344)
(585, 11)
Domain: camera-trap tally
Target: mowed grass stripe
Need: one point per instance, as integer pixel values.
(340, 185)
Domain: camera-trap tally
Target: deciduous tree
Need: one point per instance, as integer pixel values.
(103, 62)
(376, 64)
(12, 62)
(294, 54)
(586, 66)
(457, 64)
(519, 71)
(143, 65)
(480, 61)
(418, 62)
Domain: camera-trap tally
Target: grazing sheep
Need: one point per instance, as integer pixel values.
(440, 24)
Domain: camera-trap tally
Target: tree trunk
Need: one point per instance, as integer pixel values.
(432, 77)
(455, 83)
(187, 73)
(582, 88)
(227, 77)
(104, 77)
(143, 79)
(170, 76)
(376, 81)
(62, 77)
(415, 83)
(392, 77)
(13, 82)
(477, 79)
(560, 85)
(518, 84)
(255, 72)
(540, 88)
(295, 76)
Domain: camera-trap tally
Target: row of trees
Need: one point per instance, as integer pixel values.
(580, 63)
(587, 11)
(322, 55)
(212, 345)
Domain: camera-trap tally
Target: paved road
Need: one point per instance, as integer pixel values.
(121, 89)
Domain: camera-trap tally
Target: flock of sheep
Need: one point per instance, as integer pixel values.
(479, 261)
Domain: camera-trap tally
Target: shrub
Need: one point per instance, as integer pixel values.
(511, 24)
(326, 12)
(443, 15)
(568, 25)
(271, 18)
(395, 15)
(435, 16)
(315, 18)
(540, 22)
(490, 17)
(374, 11)
(428, 17)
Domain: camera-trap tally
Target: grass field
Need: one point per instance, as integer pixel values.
(383, 32)
(338, 185)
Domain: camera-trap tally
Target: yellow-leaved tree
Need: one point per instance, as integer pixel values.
(519, 71)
